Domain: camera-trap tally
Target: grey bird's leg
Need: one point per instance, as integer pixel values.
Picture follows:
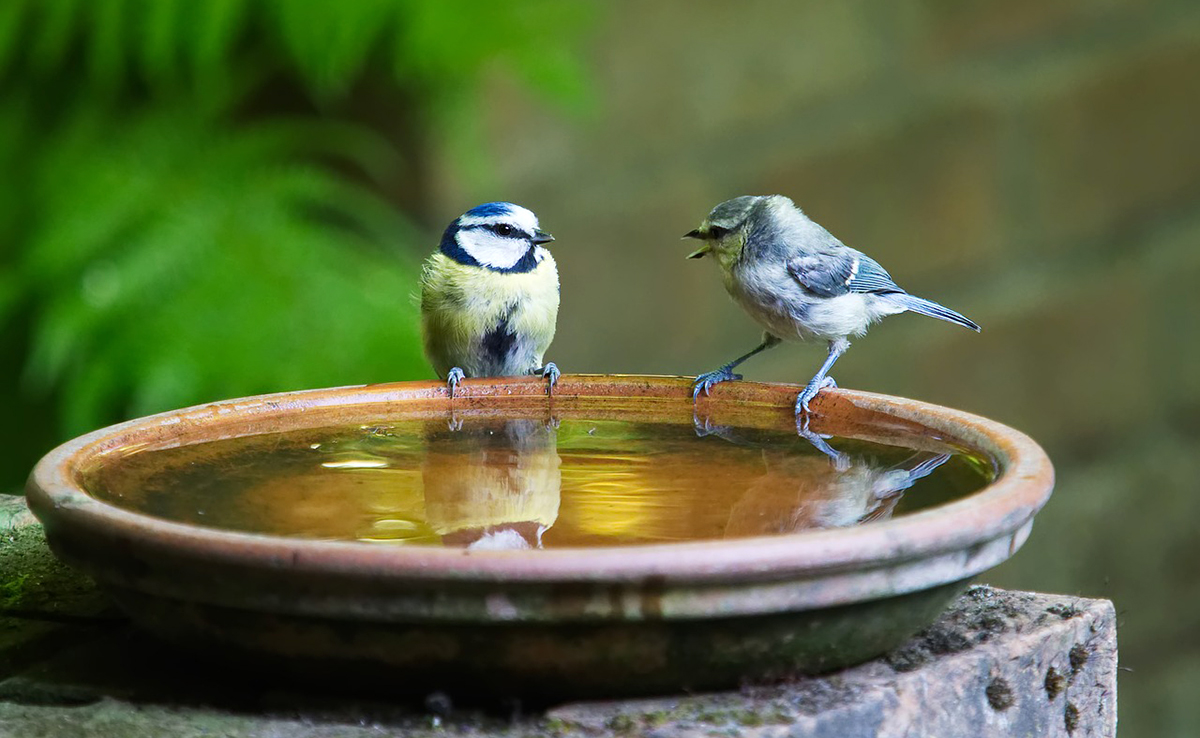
(453, 377)
(820, 381)
(551, 372)
(725, 374)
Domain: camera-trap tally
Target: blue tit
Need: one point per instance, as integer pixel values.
(799, 282)
(489, 297)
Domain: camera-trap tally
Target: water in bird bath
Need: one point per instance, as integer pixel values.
(509, 483)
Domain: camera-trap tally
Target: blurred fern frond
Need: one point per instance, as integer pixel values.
(177, 260)
(436, 47)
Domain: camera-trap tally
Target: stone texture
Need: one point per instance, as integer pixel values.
(996, 664)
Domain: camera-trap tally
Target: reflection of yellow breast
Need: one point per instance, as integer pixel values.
(476, 494)
(473, 480)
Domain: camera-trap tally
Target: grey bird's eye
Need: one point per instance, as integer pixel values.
(503, 229)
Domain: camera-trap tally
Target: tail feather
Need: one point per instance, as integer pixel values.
(933, 310)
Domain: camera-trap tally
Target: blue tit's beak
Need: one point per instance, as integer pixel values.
(694, 233)
(540, 237)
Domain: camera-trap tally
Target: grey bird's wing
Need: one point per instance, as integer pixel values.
(833, 272)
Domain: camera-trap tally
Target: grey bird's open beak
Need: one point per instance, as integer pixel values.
(540, 237)
(703, 250)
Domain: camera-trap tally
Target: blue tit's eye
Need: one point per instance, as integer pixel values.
(717, 232)
(503, 229)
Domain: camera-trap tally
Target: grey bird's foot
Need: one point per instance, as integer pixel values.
(550, 372)
(453, 377)
(810, 391)
(706, 380)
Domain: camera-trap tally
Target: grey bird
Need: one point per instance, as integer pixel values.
(799, 282)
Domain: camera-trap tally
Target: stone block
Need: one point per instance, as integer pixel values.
(996, 664)
(33, 583)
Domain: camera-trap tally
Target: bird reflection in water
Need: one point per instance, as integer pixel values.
(492, 484)
(805, 491)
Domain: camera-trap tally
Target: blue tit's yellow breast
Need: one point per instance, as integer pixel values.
(461, 305)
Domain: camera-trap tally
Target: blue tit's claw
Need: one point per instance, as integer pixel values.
(706, 381)
(453, 377)
(550, 372)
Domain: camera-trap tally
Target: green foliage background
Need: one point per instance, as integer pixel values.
(219, 198)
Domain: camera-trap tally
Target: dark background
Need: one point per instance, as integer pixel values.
(205, 200)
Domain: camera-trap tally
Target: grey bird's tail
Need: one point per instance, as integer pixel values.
(932, 309)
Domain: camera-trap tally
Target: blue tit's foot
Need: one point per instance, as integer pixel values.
(454, 423)
(551, 373)
(706, 380)
(810, 391)
(453, 377)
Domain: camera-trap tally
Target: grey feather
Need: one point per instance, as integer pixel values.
(932, 309)
(833, 274)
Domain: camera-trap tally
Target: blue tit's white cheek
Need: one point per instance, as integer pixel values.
(492, 250)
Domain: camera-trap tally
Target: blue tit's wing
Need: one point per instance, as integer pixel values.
(837, 272)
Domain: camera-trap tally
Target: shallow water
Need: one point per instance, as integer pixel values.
(524, 483)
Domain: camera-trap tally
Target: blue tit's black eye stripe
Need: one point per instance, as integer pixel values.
(504, 230)
(717, 232)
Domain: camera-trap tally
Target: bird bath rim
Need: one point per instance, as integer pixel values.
(797, 571)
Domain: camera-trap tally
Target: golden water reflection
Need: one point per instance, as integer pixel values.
(513, 483)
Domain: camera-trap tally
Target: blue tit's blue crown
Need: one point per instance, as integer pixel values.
(490, 210)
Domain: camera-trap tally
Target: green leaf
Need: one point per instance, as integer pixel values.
(12, 15)
(212, 32)
(106, 31)
(187, 261)
(330, 43)
(54, 25)
(162, 34)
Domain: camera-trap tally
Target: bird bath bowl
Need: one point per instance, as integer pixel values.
(613, 539)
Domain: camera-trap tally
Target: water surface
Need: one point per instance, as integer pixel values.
(528, 483)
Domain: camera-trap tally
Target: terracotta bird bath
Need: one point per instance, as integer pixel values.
(494, 542)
